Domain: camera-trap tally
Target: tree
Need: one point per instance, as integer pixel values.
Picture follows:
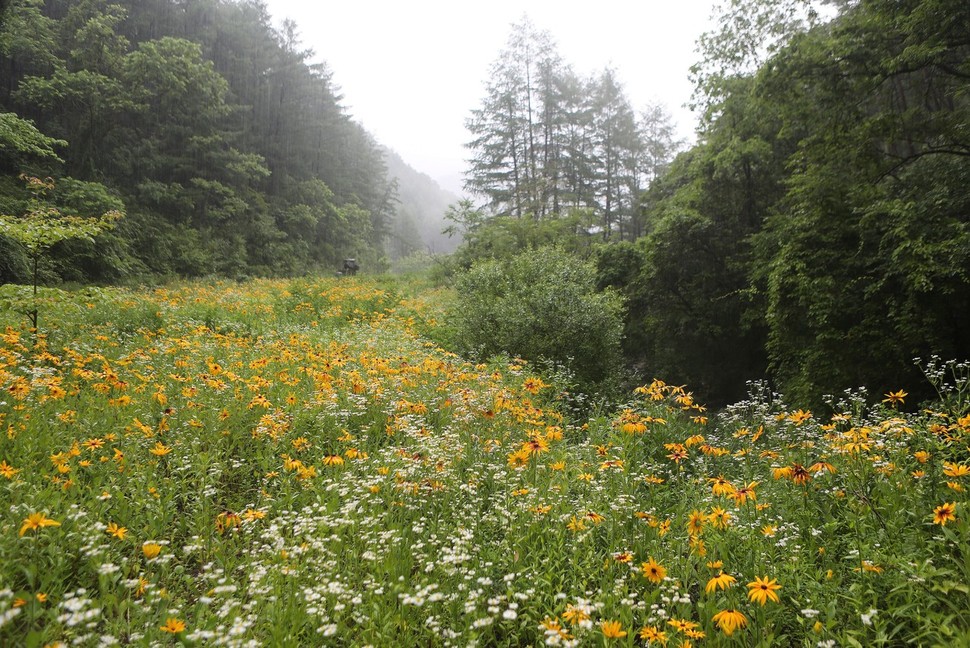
(616, 153)
(511, 164)
(22, 145)
(866, 264)
(43, 225)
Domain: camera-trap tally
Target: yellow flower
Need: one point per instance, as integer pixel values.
(762, 589)
(653, 571)
(612, 630)
(151, 549)
(575, 615)
(695, 523)
(7, 470)
(117, 531)
(160, 449)
(576, 524)
(720, 518)
(595, 517)
(535, 445)
(745, 493)
(945, 513)
(533, 385)
(173, 625)
(799, 417)
(652, 635)
(519, 458)
(682, 625)
(722, 581)
(729, 621)
(36, 521)
(895, 398)
(721, 486)
(955, 470)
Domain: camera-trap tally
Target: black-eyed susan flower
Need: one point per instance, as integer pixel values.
(8, 471)
(624, 557)
(653, 571)
(743, 494)
(576, 524)
(575, 614)
(721, 581)
(612, 629)
(721, 486)
(895, 398)
(719, 518)
(729, 621)
(955, 470)
(944, 513)
(762, 589)
(695, 522)
(160, 449)
(653, 635)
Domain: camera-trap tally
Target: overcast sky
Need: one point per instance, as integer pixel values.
(410, 71)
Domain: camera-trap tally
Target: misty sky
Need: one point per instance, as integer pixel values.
(411, 71)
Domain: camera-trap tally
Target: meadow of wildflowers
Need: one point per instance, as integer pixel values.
(292, 463)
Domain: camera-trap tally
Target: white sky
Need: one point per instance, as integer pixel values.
(411, 71)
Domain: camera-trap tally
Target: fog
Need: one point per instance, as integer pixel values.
(411, 72)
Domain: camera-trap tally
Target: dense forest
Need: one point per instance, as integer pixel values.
(818, 232)
(225, 145)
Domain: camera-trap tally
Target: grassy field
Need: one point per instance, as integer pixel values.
(294, 463)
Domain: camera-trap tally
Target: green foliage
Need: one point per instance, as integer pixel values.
(43, 226)
(504, 236)
(208, 123)
(819, 228)
(21, 143)
(540, 305)
(865, 265)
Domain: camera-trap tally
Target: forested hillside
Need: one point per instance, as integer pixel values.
(421, 208)
(224, 143)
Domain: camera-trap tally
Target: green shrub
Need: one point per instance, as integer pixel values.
(540, 305)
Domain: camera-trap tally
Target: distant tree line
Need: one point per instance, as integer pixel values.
(548, 142)
(226, 146)
(818, 233)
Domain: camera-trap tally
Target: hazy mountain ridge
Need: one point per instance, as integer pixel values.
(420, 210)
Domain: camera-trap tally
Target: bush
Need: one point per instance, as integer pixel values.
(540, 305)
